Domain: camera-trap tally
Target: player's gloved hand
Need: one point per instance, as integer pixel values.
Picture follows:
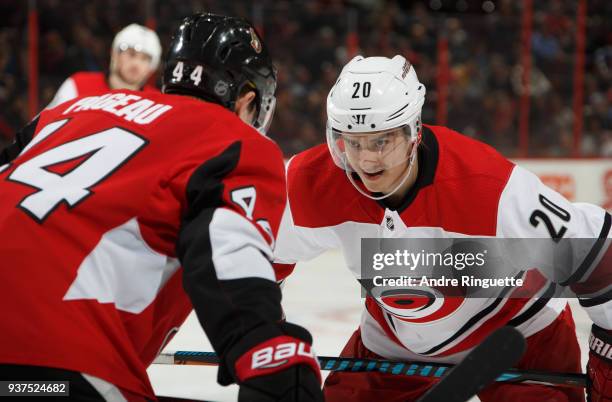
(294, 384)
(599, 367)
(282, 368)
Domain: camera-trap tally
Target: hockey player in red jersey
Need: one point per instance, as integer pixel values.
(135, 55)
(393, 177)
(122, 212)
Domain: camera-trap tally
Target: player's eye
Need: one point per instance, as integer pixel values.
(381, 142)
(353, 143)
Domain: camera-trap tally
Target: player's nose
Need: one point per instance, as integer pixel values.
(368, 161)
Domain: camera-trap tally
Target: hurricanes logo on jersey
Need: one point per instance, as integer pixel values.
(419, 305)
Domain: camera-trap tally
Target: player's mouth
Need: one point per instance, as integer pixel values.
(374, 175)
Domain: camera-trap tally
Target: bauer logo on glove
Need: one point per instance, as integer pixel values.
(275, 356)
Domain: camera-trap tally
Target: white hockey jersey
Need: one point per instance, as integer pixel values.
(463, 188)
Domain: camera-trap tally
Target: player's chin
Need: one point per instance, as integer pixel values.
(374, 182)
(133, 78)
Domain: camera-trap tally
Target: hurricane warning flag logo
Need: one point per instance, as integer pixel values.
(255, 42)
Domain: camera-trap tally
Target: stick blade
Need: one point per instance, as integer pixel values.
(500, 351)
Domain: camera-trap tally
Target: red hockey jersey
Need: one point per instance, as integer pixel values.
(103, 200)
(85, 83)
(464, 188)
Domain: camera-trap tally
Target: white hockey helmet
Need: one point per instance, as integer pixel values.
(141, 39)
(374, 95)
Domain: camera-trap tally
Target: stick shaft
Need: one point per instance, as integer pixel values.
(435, 370)
(477, 369)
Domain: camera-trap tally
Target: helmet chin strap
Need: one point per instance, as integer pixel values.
(401, 183)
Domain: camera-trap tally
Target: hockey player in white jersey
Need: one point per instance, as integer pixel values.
(384, 174)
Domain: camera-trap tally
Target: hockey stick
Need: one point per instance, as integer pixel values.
(498, 352)
(420, 369)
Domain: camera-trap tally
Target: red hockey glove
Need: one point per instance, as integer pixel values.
(282, 368)
(599, 367)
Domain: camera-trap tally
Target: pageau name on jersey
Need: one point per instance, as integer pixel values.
(131, 107)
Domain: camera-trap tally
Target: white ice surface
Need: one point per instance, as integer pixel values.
(322, 296)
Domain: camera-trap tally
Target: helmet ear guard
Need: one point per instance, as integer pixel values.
(215, 58)
(265, 112)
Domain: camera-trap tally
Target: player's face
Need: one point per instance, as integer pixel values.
(380, 159)
(133, 67)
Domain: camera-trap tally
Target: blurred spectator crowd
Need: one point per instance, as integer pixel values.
(308, 40)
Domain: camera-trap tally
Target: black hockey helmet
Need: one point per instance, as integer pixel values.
(217, 58)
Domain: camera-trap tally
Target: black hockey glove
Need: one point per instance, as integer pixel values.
(294, 384)
(279, 368)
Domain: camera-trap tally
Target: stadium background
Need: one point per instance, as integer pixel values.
(532, 78)
(470, 54)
